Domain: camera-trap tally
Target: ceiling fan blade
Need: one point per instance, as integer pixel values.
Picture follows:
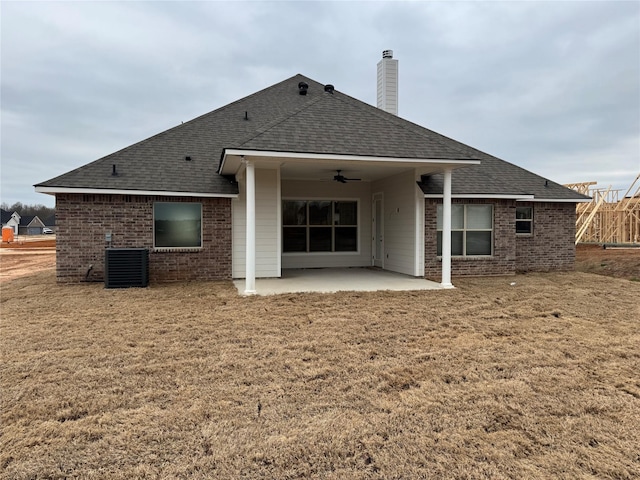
(342, 179)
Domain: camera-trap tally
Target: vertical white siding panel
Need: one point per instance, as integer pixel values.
(399, 221)
(239, 230)
(267, 225)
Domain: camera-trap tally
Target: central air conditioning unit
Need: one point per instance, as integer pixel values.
(126, 267)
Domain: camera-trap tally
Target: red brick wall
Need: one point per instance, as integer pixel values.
(552, 245)
(503, 260)
(83, 220)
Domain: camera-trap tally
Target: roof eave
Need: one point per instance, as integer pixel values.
(517, 198)
(495, 196)
(562, 200)
(107, 191)
(232, 159)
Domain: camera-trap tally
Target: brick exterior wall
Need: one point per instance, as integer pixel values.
(552, 245)
(83, 220)
(503, 260)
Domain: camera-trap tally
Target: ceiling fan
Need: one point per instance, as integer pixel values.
(342, 179)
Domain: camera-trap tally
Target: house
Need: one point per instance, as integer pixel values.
(301, 175)
(11, 220)
(30, 225)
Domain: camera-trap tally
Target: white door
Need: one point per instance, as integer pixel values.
(377, 229)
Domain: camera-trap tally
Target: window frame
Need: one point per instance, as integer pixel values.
(308, 226)
(525, 220)
(465, 230)
(178, 248)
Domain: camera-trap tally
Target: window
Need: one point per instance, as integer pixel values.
(471, 230)
(319, 226)
(177, 225)
(524, 220)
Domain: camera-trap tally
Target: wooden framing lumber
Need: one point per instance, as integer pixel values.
(608, 219)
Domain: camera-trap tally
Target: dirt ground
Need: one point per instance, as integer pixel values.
(612, 262)
(490, 380)
(26, 255)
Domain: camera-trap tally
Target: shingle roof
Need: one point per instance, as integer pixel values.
(6, 216)
(27, 219)
(279, 119)
(337, 124)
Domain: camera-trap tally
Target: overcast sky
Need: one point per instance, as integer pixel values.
(551, 86)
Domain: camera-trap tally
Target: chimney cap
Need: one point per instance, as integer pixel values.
(387, 54)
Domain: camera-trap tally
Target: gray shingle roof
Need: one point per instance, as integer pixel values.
(336, 124)
(279, 119)
(6, 216)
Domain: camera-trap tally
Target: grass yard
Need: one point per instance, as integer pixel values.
(535, 380)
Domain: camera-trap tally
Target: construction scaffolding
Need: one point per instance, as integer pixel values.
(608, 218)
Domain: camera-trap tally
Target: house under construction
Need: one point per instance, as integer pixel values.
(608, 218)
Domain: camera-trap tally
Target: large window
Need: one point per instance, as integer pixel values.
(524, 220)
(319, 226)
(177, 225)
(471, 230)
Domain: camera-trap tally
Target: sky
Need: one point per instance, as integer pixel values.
(551, 86)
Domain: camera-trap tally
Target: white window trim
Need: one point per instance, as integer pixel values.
(323, 199)
(464, 230)
(530, 220)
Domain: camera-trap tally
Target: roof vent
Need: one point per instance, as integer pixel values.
(187, 158)
(329, 88)
(387, 54)
(114, 171)
(302, 88)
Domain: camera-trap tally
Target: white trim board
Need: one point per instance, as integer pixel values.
(267, 154)
(517, 198)
(108, 191)
(491, 195)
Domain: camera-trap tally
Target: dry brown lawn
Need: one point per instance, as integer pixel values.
(535, 380)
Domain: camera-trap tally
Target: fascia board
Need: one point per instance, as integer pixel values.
(496, 196)
(562, 200)
(336, 157)
(105, 191)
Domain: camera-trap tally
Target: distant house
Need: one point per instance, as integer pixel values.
(30, 225)
(300, 175)
(10, 219)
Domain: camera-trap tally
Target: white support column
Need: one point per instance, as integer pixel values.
(250, 274)
(419, 228)
(446, 231)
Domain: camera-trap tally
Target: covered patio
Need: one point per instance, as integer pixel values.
(383, 191)
(330, 280)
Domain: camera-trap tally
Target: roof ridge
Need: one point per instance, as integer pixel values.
(399, 121)
(446, 141)
(282, 118)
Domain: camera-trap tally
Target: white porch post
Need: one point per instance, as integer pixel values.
(250, 274)
(446, 231)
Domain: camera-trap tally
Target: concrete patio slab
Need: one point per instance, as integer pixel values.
(329, 280)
